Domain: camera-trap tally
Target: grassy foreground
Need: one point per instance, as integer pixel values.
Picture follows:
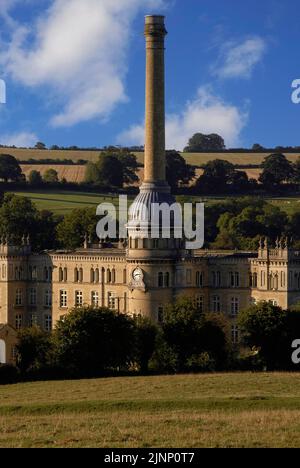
(215, 410)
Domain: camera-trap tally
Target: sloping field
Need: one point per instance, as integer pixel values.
(70, 173)
(186, 411)
(196, 159)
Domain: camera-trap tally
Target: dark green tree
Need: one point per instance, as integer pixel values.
(33, 349)
(145, 339)
(110, 171)
(263, 326)
(50, 176)
(177, 170)
(91, 175)
(75, 225)
(216, 176)
(276, 170)
(91, 341)
(9, 168)
(35, 178)
(200, 142)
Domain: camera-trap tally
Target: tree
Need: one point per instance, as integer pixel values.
(91, 341)
(110, 171)
(296, 171)
(35, 178)
(18, 217)
(9, 168)
(75, 225)
(130, 165)
(216, 175)
(91, 175)
(263, 326)
(40, 145)
(177, 169)
(257, 147)
(276, 170)
(33, 348)
(50, 176)
(145, 339)
(200, 142)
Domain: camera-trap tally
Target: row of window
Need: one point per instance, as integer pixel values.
(108, 276)
(112, 299)
(234, 279)
(216, 305)
(33, 320)
(21, 274)
(32, 297)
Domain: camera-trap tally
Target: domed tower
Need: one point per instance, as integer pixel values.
(153, 242)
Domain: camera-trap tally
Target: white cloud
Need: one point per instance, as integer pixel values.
(207, 113)
(22, 139)
(238, 60)
(77, 51)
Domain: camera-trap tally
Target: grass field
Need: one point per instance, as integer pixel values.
(213, 410)
(64, 171)
(196, 159)
(64, 202)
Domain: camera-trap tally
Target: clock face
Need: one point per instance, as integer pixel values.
(137, 274)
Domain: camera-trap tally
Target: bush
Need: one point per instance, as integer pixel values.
(8, 374)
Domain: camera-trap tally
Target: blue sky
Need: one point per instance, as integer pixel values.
(74, 71)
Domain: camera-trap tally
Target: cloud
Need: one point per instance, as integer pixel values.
(21, 139)
(207, 113)
(239, 60)
(76, 52)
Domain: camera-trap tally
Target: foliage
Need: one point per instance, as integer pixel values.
(33, 349)
(9, 168)
(276, 170)
(200, 142)
(51, 176)
(72, 229)
(145, 340)
(35, 178)
(90, 341)
(177, 170)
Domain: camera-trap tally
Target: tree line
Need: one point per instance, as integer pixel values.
(93, 342)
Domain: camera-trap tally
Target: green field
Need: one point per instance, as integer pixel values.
(64, 202)
(209, 410)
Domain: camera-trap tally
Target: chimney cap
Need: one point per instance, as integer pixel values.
(154, 18)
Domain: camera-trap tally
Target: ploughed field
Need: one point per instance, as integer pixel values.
(206, 410)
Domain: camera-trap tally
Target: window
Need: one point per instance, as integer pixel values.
(60, 275)
(199, 301)
(33, 320)
(32, 296)
(14, 353)
(155, 244)
(234, 279)
(34, 273)
(48, 298)
(234, 307)
(97, 275)
(108, 276)
(188, 276)
(3, 271)
(80, 275)
(282, 276)
(199, 279)
(78, 298)
(111, 300)
(48, 323)
(124, 276)
(216, 304)
(92, 275)
(167, 280)
(234, 334)
(18, 321)
(216, 279)
(76, 275)
(160, 314)
(253, 280)
(19, 297)
(273, 302)
(95, 298)
(65, 275)
(47, 274)
(63, 300)
(113, 276)
(160, 280)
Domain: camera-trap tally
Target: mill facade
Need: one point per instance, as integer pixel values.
(145, 274)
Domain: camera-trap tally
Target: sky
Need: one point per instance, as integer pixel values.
(74, 71)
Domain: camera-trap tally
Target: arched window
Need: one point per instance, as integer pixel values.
(92, 275)
(76, 275)
(96, 276)
(108, 276)
(234, 308)
(113, 275)
(160, 280)
(199, 279)
(124, 276)
(65, 274)
(167, 280)
(80, 275)
(60, 274)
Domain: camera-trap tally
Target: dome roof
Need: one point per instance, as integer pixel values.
(141, 209)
